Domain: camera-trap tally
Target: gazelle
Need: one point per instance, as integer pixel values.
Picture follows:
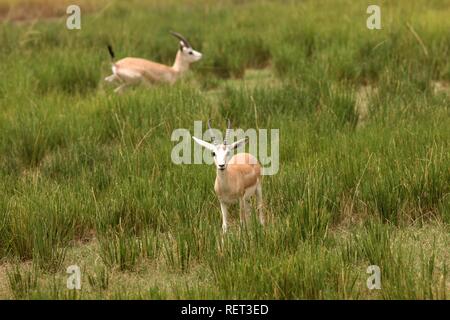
(131, 71)
(237, 177)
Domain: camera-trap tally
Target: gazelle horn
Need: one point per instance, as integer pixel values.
(227, 132)
(182, 39)
(213, 138)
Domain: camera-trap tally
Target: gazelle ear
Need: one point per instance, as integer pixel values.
(205, 144)
(238, 143)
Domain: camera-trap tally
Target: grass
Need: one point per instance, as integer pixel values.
(86, 176)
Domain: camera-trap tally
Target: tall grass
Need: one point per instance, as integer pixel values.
(82, 167)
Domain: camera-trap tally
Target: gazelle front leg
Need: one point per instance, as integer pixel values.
(224, 209)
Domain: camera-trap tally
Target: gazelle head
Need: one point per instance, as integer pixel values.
(221, 152)
(187, 52)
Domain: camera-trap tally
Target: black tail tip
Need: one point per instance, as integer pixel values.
(111, 52)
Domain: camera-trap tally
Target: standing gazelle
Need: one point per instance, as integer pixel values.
(131, 71)
(237, 178)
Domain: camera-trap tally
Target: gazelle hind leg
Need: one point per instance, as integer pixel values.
(244, 210)
(111, 78)
(260, 204)
(114, 76)
(122, 87)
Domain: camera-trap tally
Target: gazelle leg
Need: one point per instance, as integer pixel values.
(244, 210)
(224, 209)
(111, 78)
(120, 88)
(259, 204)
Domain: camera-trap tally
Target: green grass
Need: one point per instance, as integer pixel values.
(86, 176)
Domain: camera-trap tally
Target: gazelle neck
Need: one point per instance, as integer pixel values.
(222, 176)
(180, 65)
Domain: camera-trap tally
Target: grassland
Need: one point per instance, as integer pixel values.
(364, 118)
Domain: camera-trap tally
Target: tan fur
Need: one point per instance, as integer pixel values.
(242, 173)
(153, 72)
(131, 71)
(238, 182)
(237, 179)
(149, 70)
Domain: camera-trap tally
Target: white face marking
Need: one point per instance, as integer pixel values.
(220, 152)
(190, 54)
(221, 156)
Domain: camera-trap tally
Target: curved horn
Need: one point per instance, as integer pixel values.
(227, 132)
(212, 135)
(182, 39)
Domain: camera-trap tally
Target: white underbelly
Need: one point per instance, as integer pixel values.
(127, 75)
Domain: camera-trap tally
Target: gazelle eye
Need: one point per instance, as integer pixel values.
(213, 154)
(190, 52)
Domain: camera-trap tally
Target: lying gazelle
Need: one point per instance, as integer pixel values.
(237, 178)
(131, 71)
